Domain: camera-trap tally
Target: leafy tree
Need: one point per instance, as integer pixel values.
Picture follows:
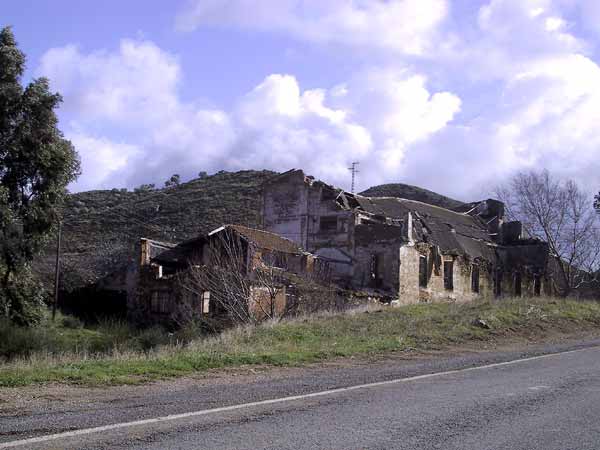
(175, 180)
(597, 203)
(36, 165)
(202, 174)
(145, 188)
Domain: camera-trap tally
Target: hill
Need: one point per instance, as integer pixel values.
(101, 228)
(410, 192)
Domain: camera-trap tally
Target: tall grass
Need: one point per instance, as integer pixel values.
(67, 337)
(310, 339)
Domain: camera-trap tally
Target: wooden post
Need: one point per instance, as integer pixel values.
(57, 270)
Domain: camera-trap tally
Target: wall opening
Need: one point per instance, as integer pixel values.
(160, 302)
(449, 275)
(423, 271)
(498, 283)
(328, 224)
(376, 270)
(537, 285)
(518, 284)
(475, 279)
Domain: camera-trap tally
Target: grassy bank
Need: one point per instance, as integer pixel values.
(68, 336)
(418, 327)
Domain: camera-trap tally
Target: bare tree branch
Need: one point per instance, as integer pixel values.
(559, 213)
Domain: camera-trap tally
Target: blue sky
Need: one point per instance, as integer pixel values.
(452, 95)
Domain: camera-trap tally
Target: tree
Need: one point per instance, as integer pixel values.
(175, 180)
(144, 188)
(36, 165)
(559, 213)
(202, 174)
(597, 203)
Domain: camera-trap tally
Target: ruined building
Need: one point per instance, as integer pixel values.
(406, 249)
(256, 262)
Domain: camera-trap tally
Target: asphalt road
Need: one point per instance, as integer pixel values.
(550, 402)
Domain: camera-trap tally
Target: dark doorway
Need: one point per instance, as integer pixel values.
(537, 285)
(449, 275)
(498, 283)
(423, 271)
(518, 282)
(475, 279)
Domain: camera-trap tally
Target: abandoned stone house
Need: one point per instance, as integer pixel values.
(406, 249)
(159, 296)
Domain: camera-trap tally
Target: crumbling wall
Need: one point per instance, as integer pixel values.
(376, 257)
(524, 264)
(411, 291)
(409, 275)
(330, 230)
(284, 207)
(266, 302)
(300, 209)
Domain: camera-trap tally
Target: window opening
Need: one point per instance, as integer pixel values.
(449, 275)
(423, 271)
(475, 279)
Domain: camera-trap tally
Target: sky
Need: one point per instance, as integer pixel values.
(450, 95)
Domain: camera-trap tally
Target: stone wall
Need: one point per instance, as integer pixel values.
(306, 212)
(284, 208)
(435, 290)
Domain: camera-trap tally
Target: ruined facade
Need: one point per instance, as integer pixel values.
(160, 297)
(406, 249)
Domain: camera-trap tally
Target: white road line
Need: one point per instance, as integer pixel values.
(206, 412)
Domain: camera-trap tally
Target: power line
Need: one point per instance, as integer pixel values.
(354, 171)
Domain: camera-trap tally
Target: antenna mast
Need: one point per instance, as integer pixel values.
(354, 171)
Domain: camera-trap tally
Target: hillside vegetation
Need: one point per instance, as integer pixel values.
(101, 227)
(383, 331)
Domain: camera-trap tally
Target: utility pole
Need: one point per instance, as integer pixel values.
(354, 171)
(57, 269)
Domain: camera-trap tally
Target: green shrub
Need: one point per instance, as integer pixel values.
(151, 338)
(19, 341)
(71, 322)
(23, 299)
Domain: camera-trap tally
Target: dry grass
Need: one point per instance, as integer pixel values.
(310, 339)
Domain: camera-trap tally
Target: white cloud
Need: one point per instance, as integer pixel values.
(130, 125)
(549, 101)
(399, 111)
(127, 99)
(406, 26)
(529, 97)
(509, 34)
(547, 118)
(557, 125)
(280, 127)
(138, 81)
(532, 99)
(100, 153)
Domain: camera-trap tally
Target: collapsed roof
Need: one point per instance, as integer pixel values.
(453, 232)
(263, 239)
(179, 253)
